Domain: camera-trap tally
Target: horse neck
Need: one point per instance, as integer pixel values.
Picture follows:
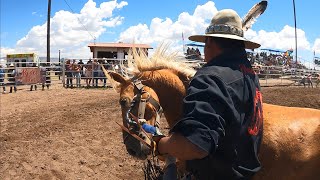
(171, 89)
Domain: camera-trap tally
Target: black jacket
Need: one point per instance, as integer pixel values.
(223, 116)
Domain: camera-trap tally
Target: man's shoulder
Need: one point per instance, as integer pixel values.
(225, 74)
(209, 70)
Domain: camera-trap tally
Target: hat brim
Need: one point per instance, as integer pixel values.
(248, 44)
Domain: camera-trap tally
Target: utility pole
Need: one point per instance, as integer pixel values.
(295, 29)
(59, 62)
(48, 31)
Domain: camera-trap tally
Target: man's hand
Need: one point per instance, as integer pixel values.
(180, 147)
(155, 142)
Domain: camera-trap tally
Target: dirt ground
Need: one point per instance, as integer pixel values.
(72, 134)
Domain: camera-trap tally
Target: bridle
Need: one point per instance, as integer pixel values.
(138, 98)
(136, 124)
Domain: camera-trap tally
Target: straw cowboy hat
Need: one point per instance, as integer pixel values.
(225, 24)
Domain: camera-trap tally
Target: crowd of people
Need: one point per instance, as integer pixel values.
(91, 72)
(274, 59)
(193, 53)
(269, 59)
(306, 80)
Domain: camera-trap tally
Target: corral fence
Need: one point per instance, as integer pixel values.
(89, 74)
(77, 73)
(16, 74)
(280, 76)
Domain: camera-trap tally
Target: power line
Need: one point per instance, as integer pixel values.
(93, 37)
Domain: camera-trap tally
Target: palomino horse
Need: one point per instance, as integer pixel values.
(291, 142)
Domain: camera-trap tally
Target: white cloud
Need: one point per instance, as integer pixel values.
(34, 13)
(169, 31)
(5, 50)
(71, 32)
(316, 46)
(284, 40)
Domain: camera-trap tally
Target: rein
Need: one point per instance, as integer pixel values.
(133, 123)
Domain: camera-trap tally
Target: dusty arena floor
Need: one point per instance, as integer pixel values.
(72, 134)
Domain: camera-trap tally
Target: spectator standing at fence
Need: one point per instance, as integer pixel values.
(88, 72)
(101, 73)
(188, 51)
(309, 80)
(318, 80)
(95, 67)
(81, 64)
(2, 76)
(33, 85)
(198, 52)
(12, 78)
(68, 68)
(76, 72)
(303, 80)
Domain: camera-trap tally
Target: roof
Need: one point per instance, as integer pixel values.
(273, 50)
(20, 55)
(119, 45)
(194, 44)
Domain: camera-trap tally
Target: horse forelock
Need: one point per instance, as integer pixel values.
(139, 62)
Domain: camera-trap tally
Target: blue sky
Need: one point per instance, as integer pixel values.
(75, 23)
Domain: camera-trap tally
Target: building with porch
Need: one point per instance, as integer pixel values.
(115, 50)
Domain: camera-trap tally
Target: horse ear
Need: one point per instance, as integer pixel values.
(117, 77)
(114, 79)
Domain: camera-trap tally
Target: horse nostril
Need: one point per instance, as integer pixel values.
(142, 136)
(123, 101)
(131, 152)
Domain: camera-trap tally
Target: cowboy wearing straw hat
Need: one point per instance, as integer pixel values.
(221, 130)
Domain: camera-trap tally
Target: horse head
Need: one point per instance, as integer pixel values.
(141, 113)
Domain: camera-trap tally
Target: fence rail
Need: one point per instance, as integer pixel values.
(279, 76)
(90, 74)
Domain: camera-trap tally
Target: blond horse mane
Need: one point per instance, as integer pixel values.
(139, 62)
